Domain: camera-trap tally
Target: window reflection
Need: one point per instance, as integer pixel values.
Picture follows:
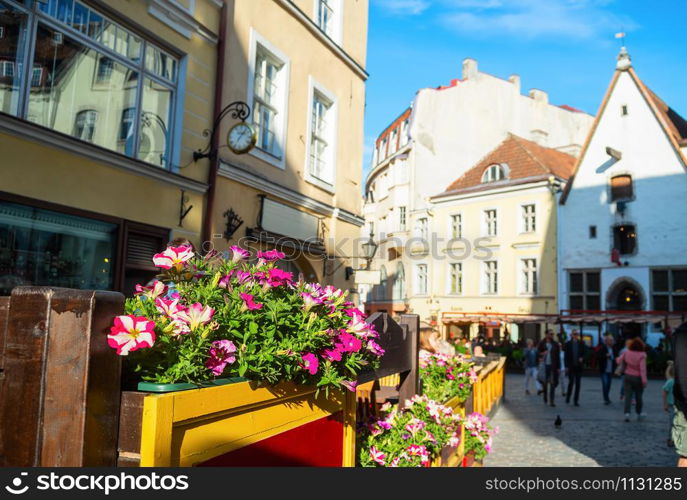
(12, 35)
(156, 106)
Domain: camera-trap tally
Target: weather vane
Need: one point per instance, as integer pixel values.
(621, 36)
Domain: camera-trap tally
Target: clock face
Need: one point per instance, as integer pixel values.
(241, 138)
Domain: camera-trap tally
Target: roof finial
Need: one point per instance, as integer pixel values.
(624, 61)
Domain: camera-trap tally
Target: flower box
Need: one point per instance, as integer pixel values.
(469, 460)
(452, 456)
(183, 386)
(238, 424)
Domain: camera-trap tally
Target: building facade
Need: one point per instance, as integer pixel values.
(493, 267)
(300, 66)
(101, 107)
(621, 237)
(445, 132)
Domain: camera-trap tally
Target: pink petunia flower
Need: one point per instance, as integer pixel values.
(348, 343)
(375, 348)
(350, 385)
(248, 302)
(310, 363)
(271, 255)
(196, 315)
(173, 257)
(169, 308)
(279, 277)
(377, 456)
(310, 300)
(238, 254)
(332, 354)
(221, 354)
(152, 292)
(130, 333)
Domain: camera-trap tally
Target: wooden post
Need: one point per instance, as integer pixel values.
(61, 389)
(410, 381)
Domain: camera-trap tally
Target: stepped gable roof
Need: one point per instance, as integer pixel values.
(526, 161)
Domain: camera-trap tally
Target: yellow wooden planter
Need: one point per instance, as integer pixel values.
(246, 424)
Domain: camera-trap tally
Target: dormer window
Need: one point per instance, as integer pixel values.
(494, 173)
(621, 188)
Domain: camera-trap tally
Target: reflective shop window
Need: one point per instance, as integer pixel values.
(43, 247)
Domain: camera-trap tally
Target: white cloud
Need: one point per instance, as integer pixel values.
(404, 7)
(572, 19)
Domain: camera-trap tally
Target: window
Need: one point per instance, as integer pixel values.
(404, 132)
(104, 72)
(399, 287)
(421, 279)
(381, 288)
(529, 276)
(585, 287)
(490, 222)
(325, 16)
(669, 290)
(423, 228)
(494, 173)
(625, 239)
(384, 150)
(401, 218)
(268, 101)
(529, 218)
(623, 110)
(84, 126)
(322, 133)
(491, 277)
(7, 69)
(592, 232)
(621, 188)
(72, 44)
(456, 226)
(456, 277)
(44, 247)
(393, 142)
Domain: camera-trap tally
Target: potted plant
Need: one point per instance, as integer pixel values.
(478, 439)
(409, 437)
(241, 363)
(221, 317)
(446, 378)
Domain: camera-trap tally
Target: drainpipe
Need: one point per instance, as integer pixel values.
(206, 234)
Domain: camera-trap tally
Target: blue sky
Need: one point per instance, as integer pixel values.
(565, 47)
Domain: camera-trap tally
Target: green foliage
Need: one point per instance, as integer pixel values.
(445, 377)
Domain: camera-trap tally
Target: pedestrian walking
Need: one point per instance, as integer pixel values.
(550, 353)
(531, 356)
(634, 368)
(575, 350)
(563, 369)
(669, 400)
(680, 393)
(606, 359)
(622, 377)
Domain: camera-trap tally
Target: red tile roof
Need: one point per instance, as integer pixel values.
(526, 160)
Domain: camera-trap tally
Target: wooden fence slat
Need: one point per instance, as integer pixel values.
(61, 389)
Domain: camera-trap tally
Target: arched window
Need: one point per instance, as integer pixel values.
(383, 280)
(494, 173)
(399, 287)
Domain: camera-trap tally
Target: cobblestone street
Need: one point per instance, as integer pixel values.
(592, 434)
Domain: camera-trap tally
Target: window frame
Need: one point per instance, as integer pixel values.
(452, 226)
(488, 177)
(522, 278)
(585, 293)
(670, 293)
(524, 218)
(402, 218)
(486, 229)
(256, 41)
(611, 199)
(176, 86)
(336, 6)
(314, 88)
(615, 227)
(452, 266)
(422, 230)
(418, 290)
(486, 281)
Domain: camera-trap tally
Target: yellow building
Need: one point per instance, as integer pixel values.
(101, 107)
(490, 265)
(300, 66)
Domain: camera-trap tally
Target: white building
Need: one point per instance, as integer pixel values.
(622, 238)
(446, 131)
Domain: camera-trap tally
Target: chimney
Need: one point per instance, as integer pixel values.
(539, 96)
(515, 80)
(469, 68)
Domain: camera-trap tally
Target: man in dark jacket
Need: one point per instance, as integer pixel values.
(550, 355)
(680, 394)
(574, 353)
(606, 359)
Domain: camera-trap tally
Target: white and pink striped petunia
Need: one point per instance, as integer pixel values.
(130, 333)
(173, 257)
(196, 315)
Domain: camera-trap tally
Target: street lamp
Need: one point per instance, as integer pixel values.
(369, 249)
